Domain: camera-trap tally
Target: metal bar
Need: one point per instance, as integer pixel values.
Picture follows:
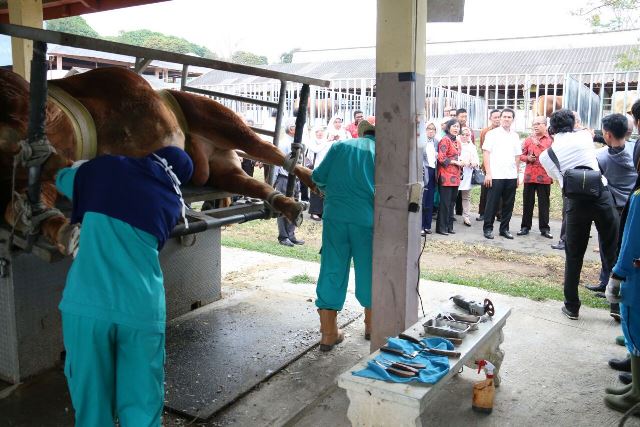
(296, 146)
(144, 52)
(230, 96)
(206, 223)
(37, 117)
(141, 64)
(277, 131)
(185, 74)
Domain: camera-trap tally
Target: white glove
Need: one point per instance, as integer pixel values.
(613, 291)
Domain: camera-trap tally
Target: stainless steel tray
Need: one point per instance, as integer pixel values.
(468, 319)
(446, 328)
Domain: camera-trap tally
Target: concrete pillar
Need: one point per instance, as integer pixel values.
(28, 13)
(400, 69)
(59, 62)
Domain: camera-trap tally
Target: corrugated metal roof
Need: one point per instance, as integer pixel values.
(574, 60)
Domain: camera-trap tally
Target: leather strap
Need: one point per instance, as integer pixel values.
(84, 128)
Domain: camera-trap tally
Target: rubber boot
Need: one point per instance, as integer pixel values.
(623, 389)
(331, 335)
(620, 340)
(624, 402)
(367, 324)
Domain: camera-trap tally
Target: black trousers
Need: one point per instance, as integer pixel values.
(529, 201)
(563, 227)
(504, 189)
(579, 215)
(459, 204)
(483, 200)
(448, 195)
(605, 269)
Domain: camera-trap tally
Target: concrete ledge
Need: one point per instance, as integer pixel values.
(374, 402)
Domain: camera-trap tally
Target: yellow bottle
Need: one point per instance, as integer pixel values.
(484, 391)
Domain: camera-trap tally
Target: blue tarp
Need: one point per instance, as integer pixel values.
(436, 366)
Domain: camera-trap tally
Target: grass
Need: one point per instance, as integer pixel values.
(302, 278)
(533, 276)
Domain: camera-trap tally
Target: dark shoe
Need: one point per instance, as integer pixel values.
(559, 245)
(570, 314)
(297, 241)
(315, 217)
(546, 234)
(427, 231)
(624, 402)
(625, 378)
(286, 242)
(442, 232)
(452, 232)
(623, 365)
(507, 235)
(523, 232)
(467, 223)
(480, 218)
(455, 219)
(597, 288)
(488, 235)
(599, 295)
(615, 315)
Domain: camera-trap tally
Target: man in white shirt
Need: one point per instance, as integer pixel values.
(573, 149)
(501, 156)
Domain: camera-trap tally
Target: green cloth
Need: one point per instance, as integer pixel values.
(113, 370)
(346, 177)
(340, 243)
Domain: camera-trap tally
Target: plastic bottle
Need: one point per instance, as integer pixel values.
(484, 391)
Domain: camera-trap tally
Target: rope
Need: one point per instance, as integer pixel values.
(35, 153)
(627, 414)
(269, 200)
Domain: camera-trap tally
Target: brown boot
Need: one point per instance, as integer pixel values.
(331, 335)
(367, 324)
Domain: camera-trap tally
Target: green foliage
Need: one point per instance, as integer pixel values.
(287, 57)
(614, 15)
(73, 25)
(302, 278)
(248, 58)
(155, 40)
(630, 60)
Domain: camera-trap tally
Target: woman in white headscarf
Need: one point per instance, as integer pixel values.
(335, 130)
(318, 147)
(470, 161)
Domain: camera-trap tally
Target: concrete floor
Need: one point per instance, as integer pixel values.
(554, 370)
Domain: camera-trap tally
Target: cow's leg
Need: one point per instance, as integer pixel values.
(226, 174)
(219, 127)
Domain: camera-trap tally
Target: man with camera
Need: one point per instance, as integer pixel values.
(573, 153)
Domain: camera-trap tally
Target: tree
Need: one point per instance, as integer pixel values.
(287, 57)
(248, 58)
(155, 40)
(615, 15)
(74, 25)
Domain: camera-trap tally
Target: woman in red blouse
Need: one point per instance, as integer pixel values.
(449, 169)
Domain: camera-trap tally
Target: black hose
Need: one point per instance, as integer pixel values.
(37, 116)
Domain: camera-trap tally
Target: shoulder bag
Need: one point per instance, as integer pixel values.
(477, 177)
(580, 183)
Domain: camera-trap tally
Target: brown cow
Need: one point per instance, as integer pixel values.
(131, 119)
(545, 108)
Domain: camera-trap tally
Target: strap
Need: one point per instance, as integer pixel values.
(84, 127)
(172, 104)
(554, 159)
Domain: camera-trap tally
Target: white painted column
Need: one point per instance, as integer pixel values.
(400, 68)
(28, 13)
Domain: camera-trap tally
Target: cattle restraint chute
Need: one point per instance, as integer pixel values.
(144, 56)
(31, 284)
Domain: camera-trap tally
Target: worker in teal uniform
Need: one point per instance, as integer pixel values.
(624, 288)
(113, 304)
(346, 177)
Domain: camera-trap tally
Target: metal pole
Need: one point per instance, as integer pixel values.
(276, 136)
(37, 116)
(296, 146)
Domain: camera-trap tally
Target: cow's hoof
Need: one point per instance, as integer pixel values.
(68, 239)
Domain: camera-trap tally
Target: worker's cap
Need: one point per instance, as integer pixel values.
(365, 126)
(290, 122)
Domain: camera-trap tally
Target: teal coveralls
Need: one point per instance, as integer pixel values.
(114, 319)
(346, 177)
